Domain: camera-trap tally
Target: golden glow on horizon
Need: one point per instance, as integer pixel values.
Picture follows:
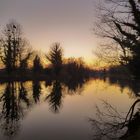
(67, 22)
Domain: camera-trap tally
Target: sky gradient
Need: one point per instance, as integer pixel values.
(44, 22)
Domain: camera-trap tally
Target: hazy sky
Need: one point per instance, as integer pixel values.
(44, 22)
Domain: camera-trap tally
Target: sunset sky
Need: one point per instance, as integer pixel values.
(44, 22)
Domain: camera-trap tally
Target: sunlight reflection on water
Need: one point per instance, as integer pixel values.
(41, 110)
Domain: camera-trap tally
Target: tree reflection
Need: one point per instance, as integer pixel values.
(112, 125)
(132, 84)
(61, 86)
(75, 86)
(55, 97)
(36, 90)
(13, 109)
(15, 102)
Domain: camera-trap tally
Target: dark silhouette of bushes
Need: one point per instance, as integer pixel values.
(76, 68)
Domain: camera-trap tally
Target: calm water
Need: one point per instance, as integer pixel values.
(56, 111)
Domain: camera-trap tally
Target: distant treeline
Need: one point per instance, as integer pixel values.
(19, 60)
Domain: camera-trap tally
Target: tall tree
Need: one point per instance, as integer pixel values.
(55, 57)
(13, 46)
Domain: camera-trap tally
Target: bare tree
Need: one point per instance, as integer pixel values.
(120, 28)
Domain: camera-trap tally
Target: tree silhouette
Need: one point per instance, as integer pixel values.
(13, 47)
(121, 25)
(55, 57)
(37, 66)
(24, 62)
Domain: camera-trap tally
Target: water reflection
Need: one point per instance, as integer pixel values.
(111, 124)
(18, 98)
(12, 107)
(55, 97)
(16, 101)
(75, 86)
(36, 91)
(132, 84)
(132, 122)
